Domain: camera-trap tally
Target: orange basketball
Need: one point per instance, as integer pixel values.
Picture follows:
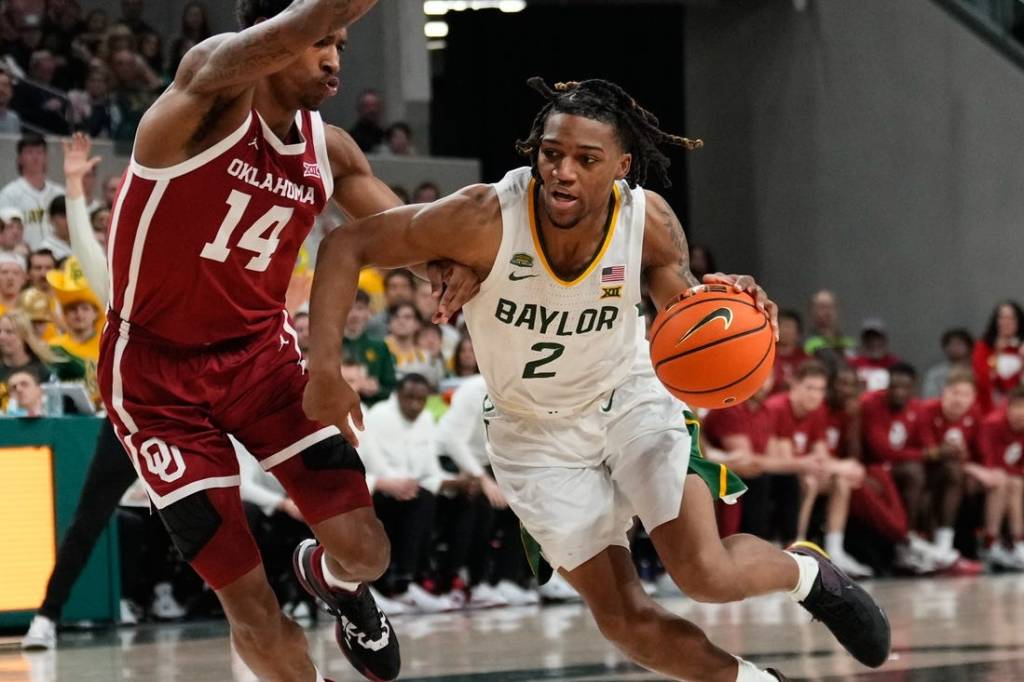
(713, 348)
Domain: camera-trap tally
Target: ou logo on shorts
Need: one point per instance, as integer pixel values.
(163, 460)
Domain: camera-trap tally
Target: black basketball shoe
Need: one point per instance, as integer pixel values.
(853, 616)
(777, 675)
(362, 631)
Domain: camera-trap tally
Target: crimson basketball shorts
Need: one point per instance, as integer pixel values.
(173, 408)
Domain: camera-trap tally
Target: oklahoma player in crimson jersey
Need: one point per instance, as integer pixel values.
(230, 168)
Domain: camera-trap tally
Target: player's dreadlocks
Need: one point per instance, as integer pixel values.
(605, 101)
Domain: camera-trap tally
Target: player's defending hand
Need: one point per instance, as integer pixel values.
(453, 286)
(330, 400)
(746, 283)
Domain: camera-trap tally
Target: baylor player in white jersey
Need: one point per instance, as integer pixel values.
(582, 436)
(567, 342)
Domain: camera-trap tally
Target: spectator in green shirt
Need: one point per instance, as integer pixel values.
(826, 341)
(373, 353)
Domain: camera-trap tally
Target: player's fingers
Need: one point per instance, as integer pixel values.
(94, 161)
(435, 273)
(747, 283)
(461, 289)
(357, 417)
(718, 278)
(347, 432)
(773, 315)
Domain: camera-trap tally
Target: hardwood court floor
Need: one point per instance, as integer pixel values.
(943, 629)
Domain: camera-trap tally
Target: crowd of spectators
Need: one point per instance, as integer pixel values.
(50, 318)
(843, 445)
(65, 69)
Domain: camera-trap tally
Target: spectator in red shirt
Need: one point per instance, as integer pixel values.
(799, 425)
(893, 434)
(950, 424)
(998, 362)
(789, 350)
(1001, 444)
(873, 360)
(738, 436)
(877, 503)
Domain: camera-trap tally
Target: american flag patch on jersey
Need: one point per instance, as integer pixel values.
(615, 273)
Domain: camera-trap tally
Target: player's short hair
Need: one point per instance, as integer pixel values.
(249, 12)
(811, 368)
(904, 369)
(960, 375)
(349, 361)
(1016, 394)
(413, 378)
(600, 100)
(362, 297)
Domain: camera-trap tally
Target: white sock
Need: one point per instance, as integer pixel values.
(808, 572)
(334, 582)
(944, 539)
(834, 542)
(751, 673)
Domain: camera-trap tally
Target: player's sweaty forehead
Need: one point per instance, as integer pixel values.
(580, 132)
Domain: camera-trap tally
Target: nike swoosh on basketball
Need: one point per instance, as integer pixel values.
(724, 314)
(516, 277)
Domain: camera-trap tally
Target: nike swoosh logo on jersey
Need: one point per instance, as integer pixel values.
(517, 277)
(724, 314)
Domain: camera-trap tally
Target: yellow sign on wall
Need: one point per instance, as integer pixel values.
(27, 526)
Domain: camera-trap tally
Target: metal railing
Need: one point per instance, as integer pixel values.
(998, 22)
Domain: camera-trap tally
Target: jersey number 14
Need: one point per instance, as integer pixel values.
(273, 221)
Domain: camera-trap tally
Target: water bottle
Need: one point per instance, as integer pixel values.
(53, 405)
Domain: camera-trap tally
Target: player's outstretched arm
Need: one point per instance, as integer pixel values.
(464, 227)
(666, 262)
(239, 59)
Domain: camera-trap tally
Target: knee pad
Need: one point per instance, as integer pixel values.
(334, 453)
(212, 533)
(325, 480)
(191, 522)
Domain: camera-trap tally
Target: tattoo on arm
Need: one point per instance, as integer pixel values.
(675, 230)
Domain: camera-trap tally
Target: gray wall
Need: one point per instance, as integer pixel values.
(872, 147)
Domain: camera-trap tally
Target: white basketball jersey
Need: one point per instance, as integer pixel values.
(546, 346)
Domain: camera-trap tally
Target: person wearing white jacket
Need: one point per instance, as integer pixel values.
(496, 570)
(400, 442)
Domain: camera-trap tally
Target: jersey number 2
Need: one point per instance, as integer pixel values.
(273, 221)
(530, 371)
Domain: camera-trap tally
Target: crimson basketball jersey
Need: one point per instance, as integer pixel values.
(203, 251)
